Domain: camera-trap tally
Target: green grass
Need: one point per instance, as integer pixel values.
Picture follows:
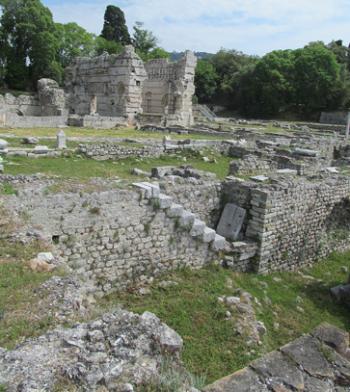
(8, 189)
(88, 132)
(19, 316)
(15, 142)
(75, 167)
(211, 347)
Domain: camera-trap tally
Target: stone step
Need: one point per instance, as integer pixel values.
(219, 243)
(175, 211)
(154, 187)
(187, 219)
(198, 228)
(145, 188)
(151, 190)
(208, 235)
(164, 201)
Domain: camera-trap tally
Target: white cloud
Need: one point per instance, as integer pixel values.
(253, 26)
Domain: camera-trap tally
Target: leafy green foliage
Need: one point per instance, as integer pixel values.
(102, 45)
(73, 41)
(145, 43)
(28, 43)
(115, 28)
(206, 81)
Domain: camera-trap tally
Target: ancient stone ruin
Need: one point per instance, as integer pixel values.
(109, 90)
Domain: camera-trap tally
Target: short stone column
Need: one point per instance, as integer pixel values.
(61, 141)
(93, 105)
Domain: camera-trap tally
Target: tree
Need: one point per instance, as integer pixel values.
(143, 40)
(115, 28)
(104, 46)
(317, 78)
(28, 42)
(273, 89)
(205, 81)
(73, 41)
(157, 53)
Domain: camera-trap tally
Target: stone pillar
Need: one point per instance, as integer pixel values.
(347, 127)
(93, 105)
(61, 141)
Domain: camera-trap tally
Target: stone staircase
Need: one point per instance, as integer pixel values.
(186, 219)
(202, 112)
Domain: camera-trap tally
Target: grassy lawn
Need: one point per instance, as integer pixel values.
(211, 347)
(88, 132)
(75, 167)
(19, 317)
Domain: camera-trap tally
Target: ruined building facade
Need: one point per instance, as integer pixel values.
(157, 92)
(109, 90)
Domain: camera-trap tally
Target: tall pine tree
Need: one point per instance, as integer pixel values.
(115, 28)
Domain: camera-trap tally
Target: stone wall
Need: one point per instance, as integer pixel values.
(113, 238)
(13, 120)
(123, 86)
(108, 85)
(105, 151)
(295, 222)
(201, 197)
(168, 90)
(23, 105)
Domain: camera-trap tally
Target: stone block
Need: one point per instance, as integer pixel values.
(175, 211)
(198, 228)
(219, 243)
(208, 235)
(164, 201)
(231, 221)
(187, 219)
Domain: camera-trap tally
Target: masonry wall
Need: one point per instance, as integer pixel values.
(108, 85)
(299, 223)
(25, 105)
(113, 238)
(15, 121)
(112, 151)
(202, 198)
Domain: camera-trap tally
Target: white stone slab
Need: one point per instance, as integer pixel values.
(231, 221)
(260, 178)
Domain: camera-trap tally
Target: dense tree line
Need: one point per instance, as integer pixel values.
(300, 82)
(33, 46)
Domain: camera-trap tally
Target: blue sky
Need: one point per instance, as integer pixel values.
(252, 26)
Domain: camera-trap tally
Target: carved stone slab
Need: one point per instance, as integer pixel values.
(231, 221)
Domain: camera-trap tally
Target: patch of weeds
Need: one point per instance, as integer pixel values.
(25, 216)
(211, 346)
(176, 223)
(116, 236)
(3, 388)
(327, 352)
(172, 379)
(147, 228)
(95, 211)
(155, 204)
(8, 189)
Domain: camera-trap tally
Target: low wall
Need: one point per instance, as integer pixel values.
(112, 238)
(25, 104)
(15, 121)
(105, 151)
(96, 121)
